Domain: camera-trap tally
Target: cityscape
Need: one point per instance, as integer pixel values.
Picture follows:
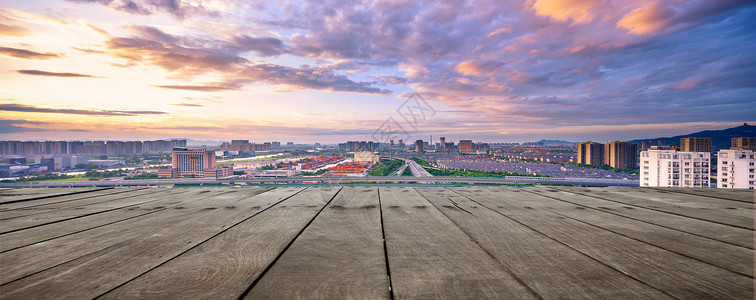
(381, 149)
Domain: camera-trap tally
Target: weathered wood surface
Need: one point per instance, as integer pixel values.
(674, 274)
(460, 242)
(226, 265)
(647, 201)
(551, 269)
(723, 233)
(52, 199)
(430, 257)
(36, 257)
(731, 257)
(78, 203)
(140, 254)
(21, 195)
(339, 256)
(68, 210)
(724, 194)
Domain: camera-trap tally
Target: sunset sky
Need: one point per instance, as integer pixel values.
(335, 70)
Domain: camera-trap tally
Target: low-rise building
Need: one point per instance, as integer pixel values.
(670, 168)
(736, 169)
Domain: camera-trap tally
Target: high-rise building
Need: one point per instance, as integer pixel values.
(736, 169)
(442, 143)
(239, 142)
(621, 155)
(670, 168)
(419, 145)
(744, 143)
(591, 153)
(465, 146)
(192, 163)
(695, 144)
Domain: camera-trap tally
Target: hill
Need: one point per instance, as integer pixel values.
(720, 139)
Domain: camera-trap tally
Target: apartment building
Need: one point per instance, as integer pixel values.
(735, 169)
(671, 168)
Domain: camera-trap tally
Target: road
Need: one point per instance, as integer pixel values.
(417, 170)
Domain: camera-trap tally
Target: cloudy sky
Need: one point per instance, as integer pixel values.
(335, 70)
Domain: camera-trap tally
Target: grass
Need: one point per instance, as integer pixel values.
(385, 169)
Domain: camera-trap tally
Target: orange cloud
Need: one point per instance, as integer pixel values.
(477, 68)
(648, 18)
(580, 11)
(503, 29)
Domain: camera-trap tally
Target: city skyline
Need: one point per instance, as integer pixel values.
(517, 71)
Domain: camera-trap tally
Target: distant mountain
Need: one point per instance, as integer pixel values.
(720, 139)
(555, 142)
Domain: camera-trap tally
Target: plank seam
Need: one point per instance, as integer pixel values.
(643, 221)
(658, 210)
(385, 247)
(280, 254)
(52, 196)
(507, 270)
(27, 207)
(700, 195)
(570, 247)
(202, 242)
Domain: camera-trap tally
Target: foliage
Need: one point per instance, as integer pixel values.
(104, 174)
(407, 172)
(142, 176)
(41, 177)
(102, 157)
(472, 173)
(269, 167)
(239, 173)
(316, 173)
(386, 168)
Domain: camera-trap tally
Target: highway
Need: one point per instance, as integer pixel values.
(337, 180)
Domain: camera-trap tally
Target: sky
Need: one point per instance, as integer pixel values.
(334, 70)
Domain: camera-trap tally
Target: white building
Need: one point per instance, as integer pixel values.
(736, 169)
(670, 168)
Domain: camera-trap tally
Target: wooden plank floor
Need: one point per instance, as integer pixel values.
(377, 242)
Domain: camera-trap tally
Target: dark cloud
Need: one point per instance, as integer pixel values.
(149, 7)
(391, 79)
(264, 46)
(21, 53)
(307, 77)
(12, 126)
(53, 74)
(34, 109)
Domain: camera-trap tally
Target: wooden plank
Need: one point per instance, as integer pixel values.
(225, 266)
(734, 258)
(743, 195)
(723, 233)
(34, 258)
(548, 267)
(40, 234)
(339, 256)
(737, 208)
(28, 194)
(94, 274)
(672, 273)
(73, 203)
(715, 216)
(32, 204)
(111, 203)
(430, 257)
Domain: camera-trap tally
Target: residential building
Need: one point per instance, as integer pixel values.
(671, 168)
(736, 169)
(695, 144)
(743, 143)
(591, 153)
(466, 146)
(219, 172)
(621, 155)
(192, 163)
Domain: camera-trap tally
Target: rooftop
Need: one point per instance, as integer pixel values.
(369, 242)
